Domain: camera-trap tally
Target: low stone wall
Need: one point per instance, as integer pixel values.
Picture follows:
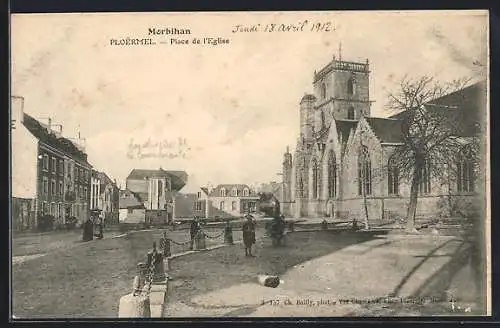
(150, 287)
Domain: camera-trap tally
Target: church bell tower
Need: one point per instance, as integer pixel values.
(342, 89)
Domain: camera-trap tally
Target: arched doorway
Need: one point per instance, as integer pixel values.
(330, 209)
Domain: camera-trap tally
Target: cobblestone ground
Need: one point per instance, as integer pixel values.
(81, 280)
(327, 265)
(203, 273)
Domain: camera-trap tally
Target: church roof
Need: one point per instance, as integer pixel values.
(344, 129)
(464, 109)
(387, 130)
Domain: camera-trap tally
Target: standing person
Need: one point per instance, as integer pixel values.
(101, 226)
(248, 235)
(194, 230)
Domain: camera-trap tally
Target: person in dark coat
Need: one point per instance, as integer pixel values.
(278, 229)
(248, 235)
(88, 230)
(193, 230)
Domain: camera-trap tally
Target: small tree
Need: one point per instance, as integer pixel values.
(431, 134)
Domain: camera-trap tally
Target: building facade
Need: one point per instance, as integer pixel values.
(342, 156)
(109, 198)
(50, 174)
(95, 191)
(157, 189)
(226, 201)
(131, 208)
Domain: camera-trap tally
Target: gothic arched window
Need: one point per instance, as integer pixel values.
(424, 186)
(323, 119)
(364, 172)
(465, 171)
(332, 175)
(392, 177)
(350, 113)
(315, 178)
(323, 91)
(350, 86)
(300, 187)
(160, 188)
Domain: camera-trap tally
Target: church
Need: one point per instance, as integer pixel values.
(341, 161)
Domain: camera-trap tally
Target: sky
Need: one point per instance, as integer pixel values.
(234, 106)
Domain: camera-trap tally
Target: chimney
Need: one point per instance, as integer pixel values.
(17, 107)
(50, 124)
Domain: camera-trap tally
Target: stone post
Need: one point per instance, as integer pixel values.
(200, 240)
(137, 303)
(228, 234)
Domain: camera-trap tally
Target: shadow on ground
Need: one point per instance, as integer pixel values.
(83, 281)
(205, 272)
(458, 281)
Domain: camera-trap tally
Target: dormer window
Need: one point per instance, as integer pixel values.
(223, 192)
(234, 193)
(246, 192)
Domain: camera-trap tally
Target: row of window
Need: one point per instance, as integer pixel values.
(234, 206)
(234, 192)
(50, 164)
(55, 189)
(53, 167)
(465, 176)
(351, 88)
(57, 209)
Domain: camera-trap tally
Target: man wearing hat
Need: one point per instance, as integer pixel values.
(248, 235)
(193, 230)
(140, 278)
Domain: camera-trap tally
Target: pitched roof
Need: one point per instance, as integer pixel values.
(386, 129)
(464, 109)
(129, 202)
(229, 187)
(39, 131)
(205, 190)
(344, 129)
(105, 179)
(268, 197)
(178, 178)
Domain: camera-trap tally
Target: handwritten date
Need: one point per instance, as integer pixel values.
(302, 26)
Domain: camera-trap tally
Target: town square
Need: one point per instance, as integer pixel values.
(302, 172)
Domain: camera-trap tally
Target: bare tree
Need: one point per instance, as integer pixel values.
(431, 134)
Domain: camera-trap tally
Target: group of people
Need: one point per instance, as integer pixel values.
(277, 232)
(94, 226)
